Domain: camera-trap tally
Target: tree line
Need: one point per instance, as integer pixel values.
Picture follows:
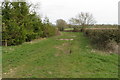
(20, 25)
(80, 21)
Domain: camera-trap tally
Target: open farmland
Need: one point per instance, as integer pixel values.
(101, 28)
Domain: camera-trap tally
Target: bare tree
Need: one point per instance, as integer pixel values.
(83, 19)
(61, 24)
(73, 21)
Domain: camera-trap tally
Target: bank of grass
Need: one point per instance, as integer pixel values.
(54, 58)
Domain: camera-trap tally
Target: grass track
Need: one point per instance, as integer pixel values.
(51, 58)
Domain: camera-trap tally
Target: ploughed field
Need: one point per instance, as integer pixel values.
(69, 55)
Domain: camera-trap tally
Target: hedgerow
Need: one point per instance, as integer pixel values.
(101, 38)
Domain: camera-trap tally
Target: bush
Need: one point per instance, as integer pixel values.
(101, 38)
(48, 30)
(30, 36)
(75, 29)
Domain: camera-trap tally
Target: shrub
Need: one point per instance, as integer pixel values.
(48, 30)
(101, 38)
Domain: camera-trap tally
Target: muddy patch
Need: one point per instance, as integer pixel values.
(63, 48)
(66, 39)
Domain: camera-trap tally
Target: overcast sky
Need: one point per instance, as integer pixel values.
(104, 11)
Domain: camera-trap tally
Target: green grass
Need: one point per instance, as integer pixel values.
(0, 62)
(68, 29)
(51, 58)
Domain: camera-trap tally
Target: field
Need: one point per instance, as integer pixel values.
(69, 55)
(103, 26)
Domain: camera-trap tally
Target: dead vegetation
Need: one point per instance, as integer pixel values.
(113, 47)
(36, 40)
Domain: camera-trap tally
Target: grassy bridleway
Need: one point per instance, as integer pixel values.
(66, 56)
